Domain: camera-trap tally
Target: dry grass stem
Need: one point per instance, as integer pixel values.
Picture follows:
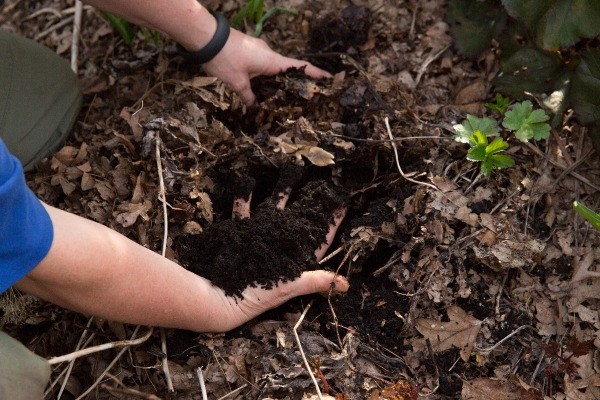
(102, 347)
(393, 142)
(312, 376)
(75, 38)
(202, 385)
(163, 198)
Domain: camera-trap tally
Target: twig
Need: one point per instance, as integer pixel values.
(398, 139)
(102, 347)
(331, 255)
(499, 295)
(559, 165)
(53, 28)
(129, 391)
(113, 362)
(389, 130)
(75, 37)
(72, 363)
(59, 377)
(235, 391)
(163, 198)
(312, 376)
(202, 385)
(428, 61)
(494, 347)
(46, 10)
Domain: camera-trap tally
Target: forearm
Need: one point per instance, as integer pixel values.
(186, 21)
(94, 270)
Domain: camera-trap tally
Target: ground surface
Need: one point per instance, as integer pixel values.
(487, 259)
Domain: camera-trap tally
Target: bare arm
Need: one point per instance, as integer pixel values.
(95, 270)
(191, 25)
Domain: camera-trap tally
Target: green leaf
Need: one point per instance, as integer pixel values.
(478, 138)
(526, 123)
(585, 90)
(528, 70)
(502, 160)
(588, 214)
(259, 25)
(500, 104)
(486, 167)
(123, 27)
(487, 126)
(476, 153)
(474, 23)
(496, 146)
(559, 23)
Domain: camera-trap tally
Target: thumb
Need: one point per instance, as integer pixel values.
(316, 282)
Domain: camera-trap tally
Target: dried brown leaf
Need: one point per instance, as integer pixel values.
(461, 331)
(317, 156)
(493, 389)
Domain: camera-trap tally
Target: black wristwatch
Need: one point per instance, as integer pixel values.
(213, 47)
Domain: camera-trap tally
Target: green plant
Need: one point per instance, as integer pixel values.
(490, 155)
(588, 214)
(499, 105)
(548, 49)
(254, 11)
(522, 119)
(127, 31)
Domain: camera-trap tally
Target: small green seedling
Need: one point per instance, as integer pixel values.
(489, 154)
(500, 104)
(127, 31)
(526, 122)
(521, 118)
(463, 132)
(592, 217)
(254, 11)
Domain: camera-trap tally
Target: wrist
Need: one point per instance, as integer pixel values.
(200, 31)
(213, 47)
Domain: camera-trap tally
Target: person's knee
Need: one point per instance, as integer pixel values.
(40, 100)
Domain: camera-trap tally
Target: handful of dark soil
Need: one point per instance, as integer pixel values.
(270, 246)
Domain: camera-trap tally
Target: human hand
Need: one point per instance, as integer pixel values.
(245, 57)
(264, 249)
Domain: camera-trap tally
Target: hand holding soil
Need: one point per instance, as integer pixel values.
(258, 262)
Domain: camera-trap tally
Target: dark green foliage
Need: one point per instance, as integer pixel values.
(530, 33)
(474, 23)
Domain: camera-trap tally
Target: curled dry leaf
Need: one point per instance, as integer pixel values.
(317, 156)
(461, 331)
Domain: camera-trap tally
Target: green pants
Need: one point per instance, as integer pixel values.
(40, 98)
(23, 375)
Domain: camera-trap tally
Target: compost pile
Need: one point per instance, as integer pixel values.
(461, 285)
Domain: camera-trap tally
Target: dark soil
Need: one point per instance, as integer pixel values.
(270, 246)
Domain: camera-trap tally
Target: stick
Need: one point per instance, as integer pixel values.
(113, 362)
(312, 376)
(202, 385)
(102, 347)
(519, 329)
(393, 142)
(233, 392)
(75, 38)
(72, 363)
(163, 198)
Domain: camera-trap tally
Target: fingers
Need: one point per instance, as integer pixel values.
(282, 198)
(244, 90)
(241, 207)
(310, 70)
(317, 282)
(338, 217)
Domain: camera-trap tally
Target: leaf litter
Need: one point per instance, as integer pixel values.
(487, 257)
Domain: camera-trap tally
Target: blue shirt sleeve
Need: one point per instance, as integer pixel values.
(26, 230)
